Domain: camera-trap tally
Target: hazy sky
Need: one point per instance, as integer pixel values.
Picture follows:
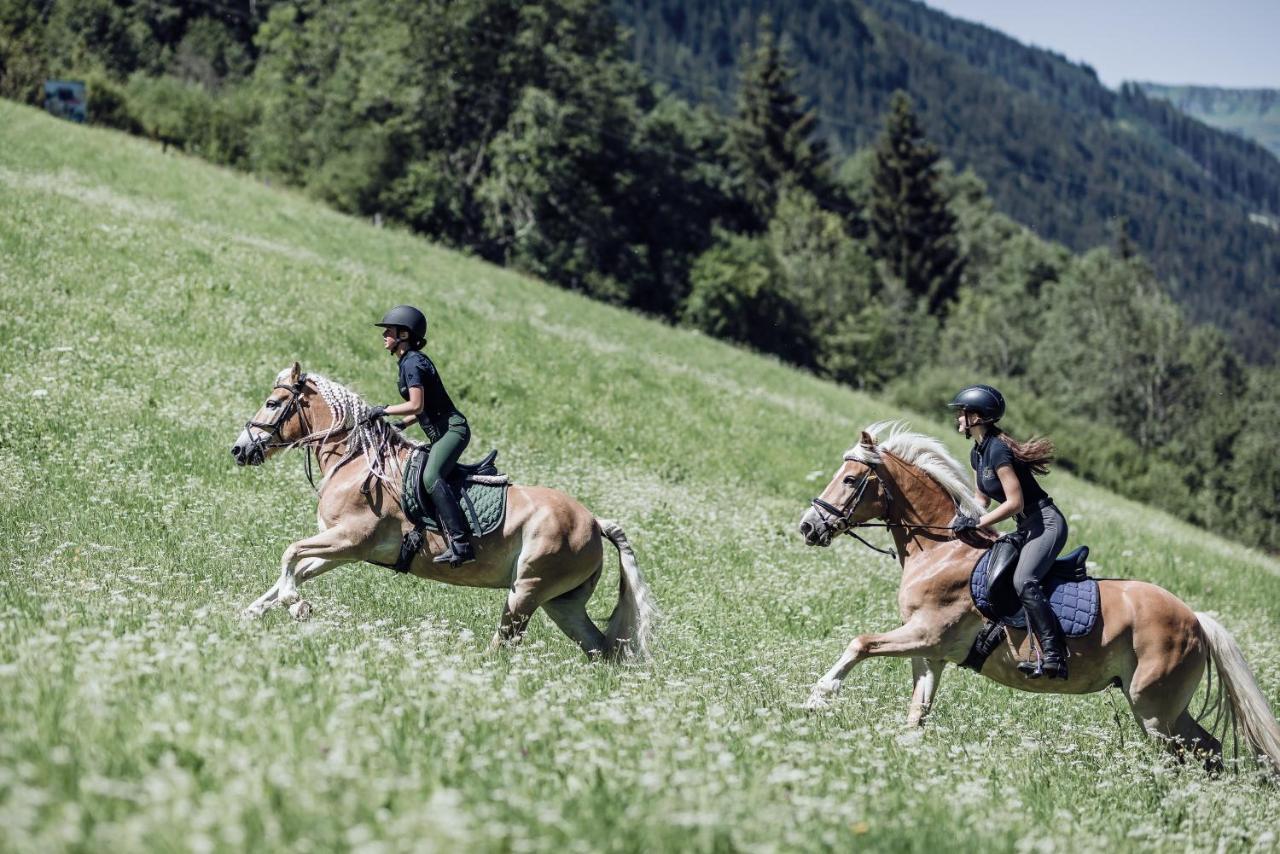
(1210, 42)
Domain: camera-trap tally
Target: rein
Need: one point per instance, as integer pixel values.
(310, 439)
(844, 517)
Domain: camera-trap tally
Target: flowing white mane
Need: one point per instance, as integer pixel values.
(370, 440)
(925, 453)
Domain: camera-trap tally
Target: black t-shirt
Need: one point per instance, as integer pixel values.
(989, 455)
(417, 370)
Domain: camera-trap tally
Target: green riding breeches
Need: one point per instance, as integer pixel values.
(445, 451)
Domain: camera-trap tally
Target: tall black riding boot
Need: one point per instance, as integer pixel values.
(457, 533)
(1044, 624)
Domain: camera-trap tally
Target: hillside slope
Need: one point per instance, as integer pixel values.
(1060, 152)
(148, 302)
(1251, 113)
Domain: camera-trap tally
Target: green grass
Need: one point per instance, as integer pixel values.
(146, 303)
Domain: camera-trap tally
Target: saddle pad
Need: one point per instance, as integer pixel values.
(483, 504)
(1075, 602)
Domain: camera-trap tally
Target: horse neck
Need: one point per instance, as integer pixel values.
(332, 450)
(921, 508)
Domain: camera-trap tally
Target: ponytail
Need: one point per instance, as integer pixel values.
(1037, 452)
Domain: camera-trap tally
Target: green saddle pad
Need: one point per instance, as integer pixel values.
(483, 504)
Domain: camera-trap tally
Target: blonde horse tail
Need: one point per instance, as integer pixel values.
(630, 630)
(1247, 704)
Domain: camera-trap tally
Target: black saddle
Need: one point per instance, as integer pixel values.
(1004, 556)
(487, 467)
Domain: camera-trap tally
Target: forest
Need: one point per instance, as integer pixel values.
(871, 247)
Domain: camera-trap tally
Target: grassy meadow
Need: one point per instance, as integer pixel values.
(147, 301)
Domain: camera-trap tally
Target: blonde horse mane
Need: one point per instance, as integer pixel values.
(372, 440)
(925, 453)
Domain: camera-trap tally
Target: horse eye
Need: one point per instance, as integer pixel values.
(272, 403)
(848, 481)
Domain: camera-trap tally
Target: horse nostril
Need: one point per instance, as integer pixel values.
(806, 528)
(236, 451)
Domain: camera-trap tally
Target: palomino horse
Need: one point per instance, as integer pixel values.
(1146, 640)
(548, 552)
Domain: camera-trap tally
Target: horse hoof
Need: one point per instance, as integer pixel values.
(817, 703)
(300, 610)
(251, 613)
(820, 698)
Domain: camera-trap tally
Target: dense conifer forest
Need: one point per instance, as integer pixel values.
(870, 190)
(1060, 152)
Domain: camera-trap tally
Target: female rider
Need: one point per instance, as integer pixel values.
(404, 334)
(1005, 470)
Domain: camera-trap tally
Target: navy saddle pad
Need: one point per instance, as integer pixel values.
(1075, 602)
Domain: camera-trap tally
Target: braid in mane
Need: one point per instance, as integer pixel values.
(374, 441)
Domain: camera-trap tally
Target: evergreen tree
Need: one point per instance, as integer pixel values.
(771, 138)
(912, 228)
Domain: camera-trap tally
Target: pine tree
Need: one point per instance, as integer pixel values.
(912, 228)
(771, 138)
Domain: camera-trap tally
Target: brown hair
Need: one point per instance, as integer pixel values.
(1036, 452)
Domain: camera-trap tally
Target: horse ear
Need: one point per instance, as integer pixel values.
(868, 440)
(295, 373)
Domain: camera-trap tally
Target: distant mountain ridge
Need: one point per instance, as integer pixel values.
(1251, 113)
(1071, 159)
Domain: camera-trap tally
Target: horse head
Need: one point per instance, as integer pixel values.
(855, 494)
(280, 422)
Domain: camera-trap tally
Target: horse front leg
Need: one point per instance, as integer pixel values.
(925, 675)
(912, 639)
(330, 547)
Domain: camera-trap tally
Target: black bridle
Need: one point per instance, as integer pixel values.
(260, 444)
(843, 519)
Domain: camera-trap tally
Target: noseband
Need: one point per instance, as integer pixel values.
(841, 521)
(260, 444)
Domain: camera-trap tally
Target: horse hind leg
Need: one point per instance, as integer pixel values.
(569, 612)
(521, 603)
(1160, 706)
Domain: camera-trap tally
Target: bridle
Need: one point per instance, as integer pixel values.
(841, 521)
(259, 444)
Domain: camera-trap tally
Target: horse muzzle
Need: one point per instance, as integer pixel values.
(815, 530)
(248, 452)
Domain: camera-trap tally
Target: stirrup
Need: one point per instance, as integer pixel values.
(455, 554)
(1032, 669)
(1054, 669)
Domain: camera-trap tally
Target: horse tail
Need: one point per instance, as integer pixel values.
(1248, 707)
(630, 630)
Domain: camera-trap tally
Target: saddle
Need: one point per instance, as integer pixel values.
(481, 490)
(1072, 594)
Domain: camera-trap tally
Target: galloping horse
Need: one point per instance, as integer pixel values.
(1146, 640)
(548, 552)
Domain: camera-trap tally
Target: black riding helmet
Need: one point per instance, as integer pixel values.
(410, 318)
(988, 402)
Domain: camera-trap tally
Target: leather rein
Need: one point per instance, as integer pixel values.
(841, 521)
(262, 443)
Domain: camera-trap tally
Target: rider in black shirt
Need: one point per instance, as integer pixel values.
(404, 334)
(1005, 470)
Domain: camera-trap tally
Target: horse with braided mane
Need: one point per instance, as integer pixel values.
(548, 552)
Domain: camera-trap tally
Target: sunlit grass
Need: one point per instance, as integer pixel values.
(148, 301)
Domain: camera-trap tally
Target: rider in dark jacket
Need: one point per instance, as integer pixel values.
(1005, 470)
(404, 334)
